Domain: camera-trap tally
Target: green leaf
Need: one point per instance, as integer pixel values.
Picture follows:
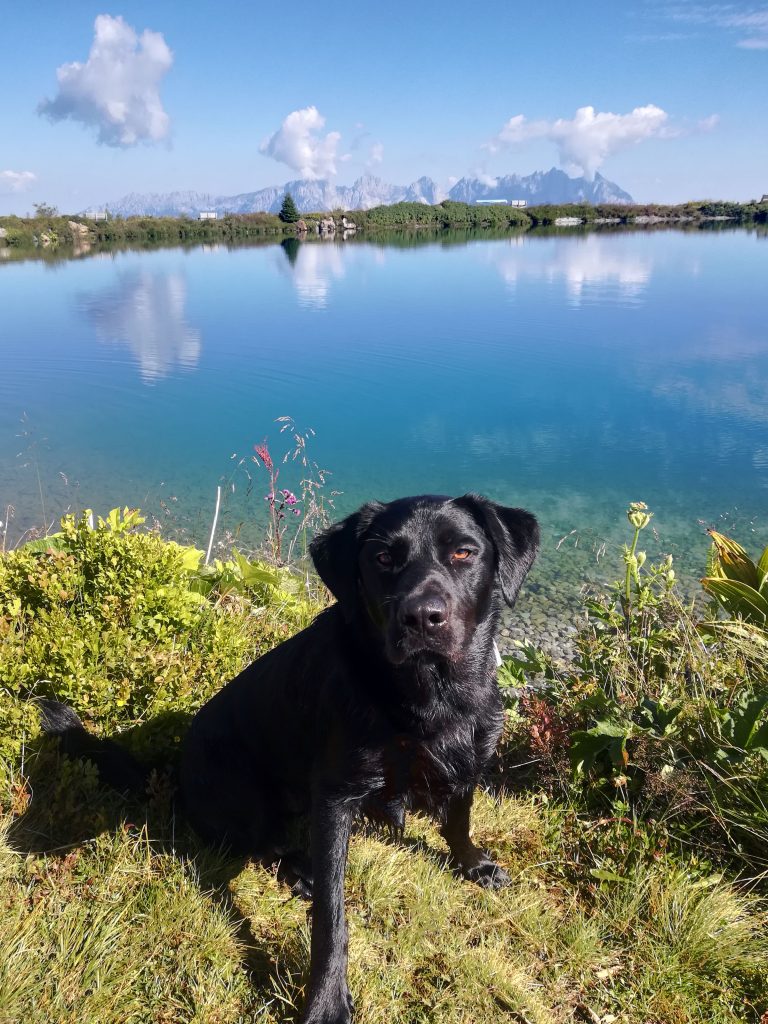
(762, 570)
(54, 542)
(604, 727)
(745, 732)
(660, 719)
(190, 557)
(733, 562)
(738, 599)
(608, 876)
(586, 747)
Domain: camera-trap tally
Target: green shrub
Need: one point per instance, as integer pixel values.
(128, 628)
(659, 715)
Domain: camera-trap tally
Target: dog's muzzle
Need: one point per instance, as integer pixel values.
(421, 623)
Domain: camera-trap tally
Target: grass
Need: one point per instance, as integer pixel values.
(120, 928)
(618, 914)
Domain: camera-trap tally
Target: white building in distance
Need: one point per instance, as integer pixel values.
(502, 202)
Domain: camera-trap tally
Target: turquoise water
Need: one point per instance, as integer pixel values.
(570, 374)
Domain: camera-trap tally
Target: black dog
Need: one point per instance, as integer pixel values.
(387, 701)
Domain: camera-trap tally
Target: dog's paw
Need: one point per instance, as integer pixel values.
(295, 869)
(488, 874)
(302, 888)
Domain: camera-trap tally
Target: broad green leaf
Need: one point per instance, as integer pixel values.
(55, 542)
(762, 570)
(202, 585)
(746, 732)
(190, 558)
(585, 749)
(758, 743)
(604, 727)
(738, 599)
(733, 561)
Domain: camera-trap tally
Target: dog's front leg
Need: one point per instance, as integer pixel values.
(328, 998)
(466, 858)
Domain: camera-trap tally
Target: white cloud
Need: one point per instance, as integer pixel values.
(708, 124)
(752, 20)
(116, 91)
(300, 144)
(375, 154)
(15, 181)
(586, 141)
(484, 177)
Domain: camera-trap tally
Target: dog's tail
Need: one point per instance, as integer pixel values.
(115, 765)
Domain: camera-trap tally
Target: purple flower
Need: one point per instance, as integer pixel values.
(289, 498)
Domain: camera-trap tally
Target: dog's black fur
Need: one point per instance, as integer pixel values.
(388, 701)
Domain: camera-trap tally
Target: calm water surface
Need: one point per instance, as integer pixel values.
(569, 374)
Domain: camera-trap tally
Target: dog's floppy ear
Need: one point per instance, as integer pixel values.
(515, 535)
(334, 553)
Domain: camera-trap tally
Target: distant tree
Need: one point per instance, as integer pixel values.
(45, 210)
(288, 212)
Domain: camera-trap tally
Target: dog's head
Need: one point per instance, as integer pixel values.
(424, 571)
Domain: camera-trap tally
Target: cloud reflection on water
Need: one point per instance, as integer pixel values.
(313, 267)
(715, 383)
(587, 263)
(146, 312)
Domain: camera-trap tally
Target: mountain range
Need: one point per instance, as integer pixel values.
(553, 186)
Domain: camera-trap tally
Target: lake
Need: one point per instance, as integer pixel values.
(568, 373)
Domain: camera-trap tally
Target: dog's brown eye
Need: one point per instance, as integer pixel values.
(384, 558)
(460, 554)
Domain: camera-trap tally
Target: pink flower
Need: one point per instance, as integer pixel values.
(263, 452)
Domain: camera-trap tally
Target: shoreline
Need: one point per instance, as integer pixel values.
(76, 236)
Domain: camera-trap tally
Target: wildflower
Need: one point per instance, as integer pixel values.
(638, 514)
(288, 497)
(263, 452)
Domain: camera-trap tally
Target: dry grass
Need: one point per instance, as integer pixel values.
(115, 931)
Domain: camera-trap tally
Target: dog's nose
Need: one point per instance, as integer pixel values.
(424, 614)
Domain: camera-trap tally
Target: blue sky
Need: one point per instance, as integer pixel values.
(235, 96)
